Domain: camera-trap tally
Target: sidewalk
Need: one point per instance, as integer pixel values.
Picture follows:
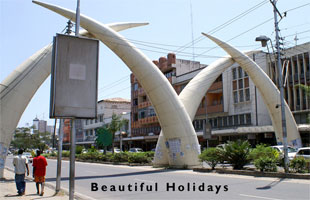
(8, 189)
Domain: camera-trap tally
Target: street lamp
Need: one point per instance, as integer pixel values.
(264, 40)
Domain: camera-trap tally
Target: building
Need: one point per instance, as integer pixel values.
(105, 109)
(233, 107)
(39, 125)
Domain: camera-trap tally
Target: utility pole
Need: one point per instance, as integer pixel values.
(72, 132)
(276, 24)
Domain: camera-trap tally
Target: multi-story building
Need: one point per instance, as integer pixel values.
(105, 110)
(39, 125)
(233, 107)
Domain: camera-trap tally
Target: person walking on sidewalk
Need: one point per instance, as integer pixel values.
(20, 163)
(39, 170)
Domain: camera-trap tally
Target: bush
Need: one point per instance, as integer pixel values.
(138, 158)
(119, 157)
(264, 163)
(46, 155)
(299, 165)
(236, 153)
(262, 150)
(89, 156)
(53, 154)
(65, 153)
(212, 156)
(79, 149)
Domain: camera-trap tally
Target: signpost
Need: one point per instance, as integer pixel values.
(74, 80)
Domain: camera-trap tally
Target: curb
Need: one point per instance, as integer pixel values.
(254, 173)
(77, 196)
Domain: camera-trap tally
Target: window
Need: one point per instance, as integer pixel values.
(240, 72)
(247, 94)
(236, 120)
(241, 96)
(135, 117)
(224, 121)
(220, 121)
(101, 118)
(86, 133)
(235, 97)
(135, 86)
(240, 83)
(135, 102)
(245, 74)
(234, 85)
(230, 120)
(234, 73)
(248, 118)
(241, 119)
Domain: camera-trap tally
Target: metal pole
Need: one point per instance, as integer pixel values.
(281, 88)
(72, 160)
(54, 135)
(59, 155)
(77, 23)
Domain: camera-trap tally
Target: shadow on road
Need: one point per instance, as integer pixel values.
(112, 175)
(271, 185)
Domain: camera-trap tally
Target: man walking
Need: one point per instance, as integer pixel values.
(20, 163)
(39, 170)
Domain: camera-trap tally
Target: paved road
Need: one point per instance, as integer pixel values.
(173, 184)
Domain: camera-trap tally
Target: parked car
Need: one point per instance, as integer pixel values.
(135, 150)
(117, 150)
(303, 152)
(28, 156)
(290, 151)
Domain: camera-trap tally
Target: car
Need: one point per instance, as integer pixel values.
(28, 156)
(290, 151)
(135, 150)
(116, 150)
(303, 152)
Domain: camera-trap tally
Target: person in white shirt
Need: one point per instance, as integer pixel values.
(20, 163)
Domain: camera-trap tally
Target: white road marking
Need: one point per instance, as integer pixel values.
(246, 195)
(141, 180)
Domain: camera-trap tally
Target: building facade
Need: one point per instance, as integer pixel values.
(233, 107)
(105, 110)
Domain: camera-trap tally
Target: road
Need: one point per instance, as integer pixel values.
(108, 181)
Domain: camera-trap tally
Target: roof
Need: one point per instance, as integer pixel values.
(116, 99)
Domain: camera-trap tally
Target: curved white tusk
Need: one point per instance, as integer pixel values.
(269, 92)
(171, 113)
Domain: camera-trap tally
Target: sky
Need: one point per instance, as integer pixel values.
(174, 26)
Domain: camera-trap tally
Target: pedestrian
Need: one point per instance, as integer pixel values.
(20, 163)
(39, 170)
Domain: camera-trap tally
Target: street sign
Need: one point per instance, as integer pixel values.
(74, 77)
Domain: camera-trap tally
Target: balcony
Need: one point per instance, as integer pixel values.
(215, 108)
(148, 120)
(144, 104)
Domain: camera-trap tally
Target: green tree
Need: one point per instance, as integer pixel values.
(22, 138)
(116, 124)
(212, 156)
(40, 140)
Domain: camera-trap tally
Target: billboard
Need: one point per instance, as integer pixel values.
(74, 77)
